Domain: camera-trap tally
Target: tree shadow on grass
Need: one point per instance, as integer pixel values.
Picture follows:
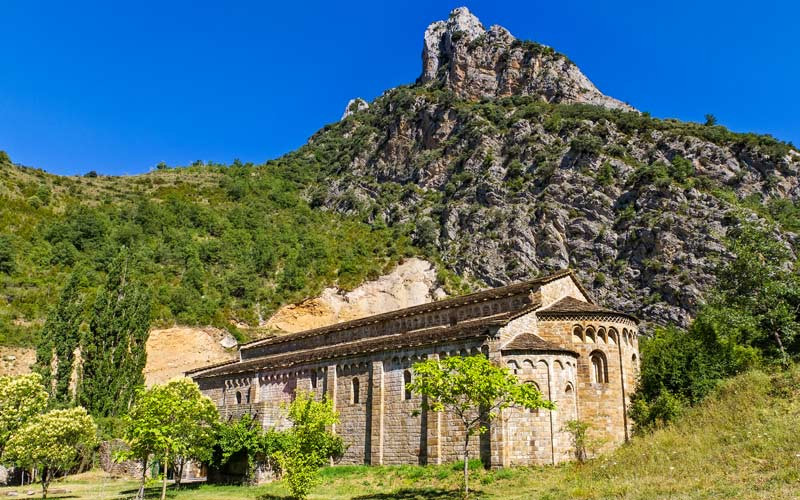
(403, 494)
(421, 494)
(155, 491)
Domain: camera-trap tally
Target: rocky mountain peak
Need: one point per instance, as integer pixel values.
(476, 63)
(354, 106)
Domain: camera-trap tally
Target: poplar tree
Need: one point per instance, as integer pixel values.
(113, 349)
(59, 339)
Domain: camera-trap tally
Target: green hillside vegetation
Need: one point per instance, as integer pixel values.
(739, 443)
(212, 242)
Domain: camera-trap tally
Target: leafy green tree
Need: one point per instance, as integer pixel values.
(579, 435)
(172, 423)
(759, 287)
(309, 444)
(711, 120)
(7, 264)
(21, 398)
(58, 341)
(474, 390)
(244, 436)
(752, 317)
(4, 158)
(113, 349)
(53, 442)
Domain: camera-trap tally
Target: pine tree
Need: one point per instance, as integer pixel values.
(113, 349)
(59, 339)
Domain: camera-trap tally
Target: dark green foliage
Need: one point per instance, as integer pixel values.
(711, 120)
(586, 145)
(90, 174)
(751, 318)
(606, 174)
(113, 348)
(679, 170)
(4, 158)
(239, 242)
(244, 438)
(760, 288)
(7, 262)
(58, 340)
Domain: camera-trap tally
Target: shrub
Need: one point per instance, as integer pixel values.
(7, 264)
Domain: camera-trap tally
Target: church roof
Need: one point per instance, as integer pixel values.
(532, 342)
(326, 344)
(571, 306)
(427, 336)
(491, 293)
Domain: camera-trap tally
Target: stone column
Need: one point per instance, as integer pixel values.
(376, 413)
(254, 392)
(330, 383)
(433, 421)
(497, 428)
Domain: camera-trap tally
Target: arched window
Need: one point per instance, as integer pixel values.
(513, 366)
(577, 334)
(355, 396)
(238, 398)
(599, 367)
(247, 397)
(590, 335)
(313, 379)
(568, 389)
(406, 381)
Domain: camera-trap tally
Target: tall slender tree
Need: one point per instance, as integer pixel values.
(113, 348)
(59, 339)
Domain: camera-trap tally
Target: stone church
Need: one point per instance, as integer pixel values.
(547, 331)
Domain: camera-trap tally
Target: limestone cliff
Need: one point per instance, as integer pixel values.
(411, 283)
(475, 62)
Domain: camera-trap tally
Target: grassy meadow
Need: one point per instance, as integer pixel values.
(741, 443)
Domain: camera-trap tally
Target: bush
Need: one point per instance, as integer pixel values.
(586, 145)
(7, 264)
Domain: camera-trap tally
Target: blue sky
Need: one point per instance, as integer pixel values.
(118, 87)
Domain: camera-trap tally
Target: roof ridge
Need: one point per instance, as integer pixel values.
(571, 305)
(420, 308)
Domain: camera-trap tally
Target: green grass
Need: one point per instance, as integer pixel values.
(740, 443)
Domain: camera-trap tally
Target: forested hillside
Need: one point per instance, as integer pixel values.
(214, 243)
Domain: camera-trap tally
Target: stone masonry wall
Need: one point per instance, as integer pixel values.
(602, 403)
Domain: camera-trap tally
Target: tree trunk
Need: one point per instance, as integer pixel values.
(140, 493)
(164, 483)
(466, 465)
(45, 482)
(777, 335)
(178, 473)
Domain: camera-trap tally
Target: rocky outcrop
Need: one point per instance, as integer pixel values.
(475, 63)
(505, 189)
(16, 360)
(354, 106)
(411, 283)
(173, 351)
